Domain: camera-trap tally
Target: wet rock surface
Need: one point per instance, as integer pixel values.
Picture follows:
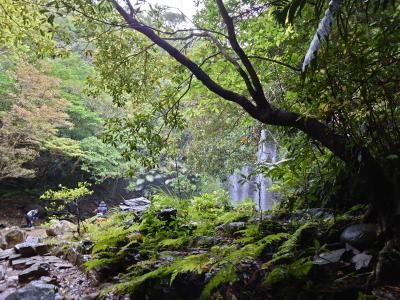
(28, 272)
(38, 289)
(137, 205)
(360, 236)
(35, 271)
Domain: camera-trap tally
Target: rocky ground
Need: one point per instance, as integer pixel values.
(28, 271)
(346, 259)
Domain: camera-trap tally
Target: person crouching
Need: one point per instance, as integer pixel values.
(31, 216)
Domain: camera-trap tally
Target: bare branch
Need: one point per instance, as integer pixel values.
(184, 30)
(187, 37)
(275, 61)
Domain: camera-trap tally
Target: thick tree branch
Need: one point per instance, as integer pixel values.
(185, 61)
(263, 112)
(260, 97)
(131, 9)
(238, 68)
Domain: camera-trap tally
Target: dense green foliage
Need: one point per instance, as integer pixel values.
(64, 196)
(193, 225)
(144, 99)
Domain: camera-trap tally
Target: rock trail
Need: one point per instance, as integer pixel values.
(29, 272)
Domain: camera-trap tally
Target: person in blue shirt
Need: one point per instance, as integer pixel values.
(31, 216)
(102, 209)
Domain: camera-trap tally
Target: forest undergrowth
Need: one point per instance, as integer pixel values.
(203, 248)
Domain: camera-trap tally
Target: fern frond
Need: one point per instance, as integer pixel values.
(288, 249)
(224, 275)
(174, 243)
(298, 270)
(98, 262)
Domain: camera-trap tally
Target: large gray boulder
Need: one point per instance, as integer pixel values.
(14, 235)
(36, 290)
(137, 205)
(28, 249)
(60, 227)
(360, 236)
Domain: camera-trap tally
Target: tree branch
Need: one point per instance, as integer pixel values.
(189, 64)
(238, 68)
(275, 61)
(260, 97)
(263, 112)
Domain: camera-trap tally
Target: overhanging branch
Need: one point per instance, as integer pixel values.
(185, 61)
(260, 97)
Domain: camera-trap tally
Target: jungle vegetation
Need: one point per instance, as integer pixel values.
(123, 92)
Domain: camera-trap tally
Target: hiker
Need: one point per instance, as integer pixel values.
(31, 216)
(102, 209)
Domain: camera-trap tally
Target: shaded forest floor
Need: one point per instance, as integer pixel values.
(206, 249)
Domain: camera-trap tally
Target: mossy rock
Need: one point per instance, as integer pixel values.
(360, 236)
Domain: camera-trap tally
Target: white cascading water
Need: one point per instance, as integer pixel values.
(240, 190)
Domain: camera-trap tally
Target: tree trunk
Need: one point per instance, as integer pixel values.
(78, 215)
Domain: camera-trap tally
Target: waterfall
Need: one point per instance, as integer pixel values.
(239, 190)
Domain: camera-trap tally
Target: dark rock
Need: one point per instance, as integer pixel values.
(333, 235)
(36, 290)
(22, 263)
(87, 246)
(41, 249)
(25, 249)
(360, 236)
(167, 214)
(329, 257)
(34, 272)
